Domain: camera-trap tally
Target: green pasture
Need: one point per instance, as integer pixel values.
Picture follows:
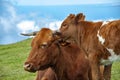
(12, 58)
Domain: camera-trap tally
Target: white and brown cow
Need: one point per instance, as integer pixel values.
(100, 41)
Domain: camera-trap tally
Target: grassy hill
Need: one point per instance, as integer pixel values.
(12, 58)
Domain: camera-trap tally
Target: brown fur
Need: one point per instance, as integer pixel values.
(43, 37)
(47, 74)
(68, 61)
(85, 35)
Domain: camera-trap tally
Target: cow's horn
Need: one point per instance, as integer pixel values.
(30, 34)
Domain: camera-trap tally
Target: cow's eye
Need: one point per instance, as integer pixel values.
(43, 46)
(64, 26)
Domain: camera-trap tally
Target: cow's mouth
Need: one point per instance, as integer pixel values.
(44, 67)
(30, 70)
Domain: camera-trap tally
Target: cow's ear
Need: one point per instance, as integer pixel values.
(79, 17)
(71, 16)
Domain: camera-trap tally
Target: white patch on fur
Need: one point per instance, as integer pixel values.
(111, 59)
(100, 38)
(105, 22)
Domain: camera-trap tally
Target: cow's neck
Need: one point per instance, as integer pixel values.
(65, 63)
(87, 32)
(59, 63)
(74, 37)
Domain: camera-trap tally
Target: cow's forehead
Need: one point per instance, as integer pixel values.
(43, 36)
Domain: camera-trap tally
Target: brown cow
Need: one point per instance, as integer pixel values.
(47, 74)
(100, 42)
(67, 60)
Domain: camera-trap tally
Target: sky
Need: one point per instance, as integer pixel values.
(63, 2)
(12, 23)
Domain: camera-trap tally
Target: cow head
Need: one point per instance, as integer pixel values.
(44, 50)
(68, 26)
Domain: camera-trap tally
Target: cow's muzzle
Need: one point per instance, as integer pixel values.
(29, 67)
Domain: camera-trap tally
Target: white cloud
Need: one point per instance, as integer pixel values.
(8, 18)
(54, 25)
(107, 20)
(12, 11)
(27, 25)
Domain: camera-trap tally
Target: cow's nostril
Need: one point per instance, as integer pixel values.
(27, 66)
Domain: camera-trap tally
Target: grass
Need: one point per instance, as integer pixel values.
(12, 58)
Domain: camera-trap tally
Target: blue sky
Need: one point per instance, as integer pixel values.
(21, 16)
(63, 2)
